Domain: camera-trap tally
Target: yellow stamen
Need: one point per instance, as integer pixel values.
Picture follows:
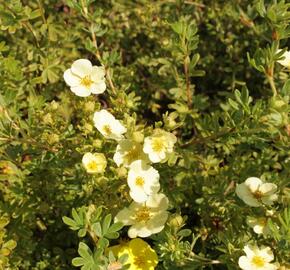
(140, 261)
(139, 181)
(258, 194)
(258, 261)
(86, 81)
(143, 214)
(107, 129)
(157, 144)
(92, 165)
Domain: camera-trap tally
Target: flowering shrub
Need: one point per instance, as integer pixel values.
(144, 134)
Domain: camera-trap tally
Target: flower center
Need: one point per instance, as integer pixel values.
(139, 181)
(86, 81)
(107, 129)
(157, 144)
(258, 194)
(258, 261)
(140, 261)
(143, 214)
(92, 165)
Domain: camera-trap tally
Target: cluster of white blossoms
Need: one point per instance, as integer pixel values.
(147, 213)
(255, 193)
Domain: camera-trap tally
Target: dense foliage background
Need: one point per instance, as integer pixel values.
(205, 70)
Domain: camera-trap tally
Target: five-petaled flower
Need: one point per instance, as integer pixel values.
(140, 255)
(108, 125)
(84, 78)
(255, 193)
(159, 145)
(94, 163)
(147, 218)
(143, 181)
(257, 259)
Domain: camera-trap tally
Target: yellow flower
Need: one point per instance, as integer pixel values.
(94, 163)
(140, 255)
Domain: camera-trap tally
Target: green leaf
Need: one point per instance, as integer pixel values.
(106, 223)
(85, 251)
(78, 261)
(115, 227)
(97, 229)
(70, 222)
(184, 232)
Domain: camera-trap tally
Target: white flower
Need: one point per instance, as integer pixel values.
(259, 225)
(94, 163)
(143, 181)
(254, 192)
(84, 78)
(286, 61)
(107, 124)
(257, 259)
(159, 145)
(147, 218)
(128, 151)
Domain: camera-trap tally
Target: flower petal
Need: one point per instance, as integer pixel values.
(268, 188)
(268, 200)
(70, 78)
(138, 195)
(158, 201)
(266, 253)
(81, 91)
(98, 88)
(97, 74)
(125, 216)
(253, 183)
(244, 263)
(138, 229)
(82, 67)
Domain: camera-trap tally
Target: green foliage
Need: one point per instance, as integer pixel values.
(206, 71)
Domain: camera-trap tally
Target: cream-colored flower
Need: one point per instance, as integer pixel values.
(94, 163)
(257, 259)
(84, 78)
(128, 151)
(255, 193)
(286, 60)
(147, 218)
(159, 145)
(259, 225)
(108, 125)
(143, 181)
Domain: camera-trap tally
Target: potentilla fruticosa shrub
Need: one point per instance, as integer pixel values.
(144, 134)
